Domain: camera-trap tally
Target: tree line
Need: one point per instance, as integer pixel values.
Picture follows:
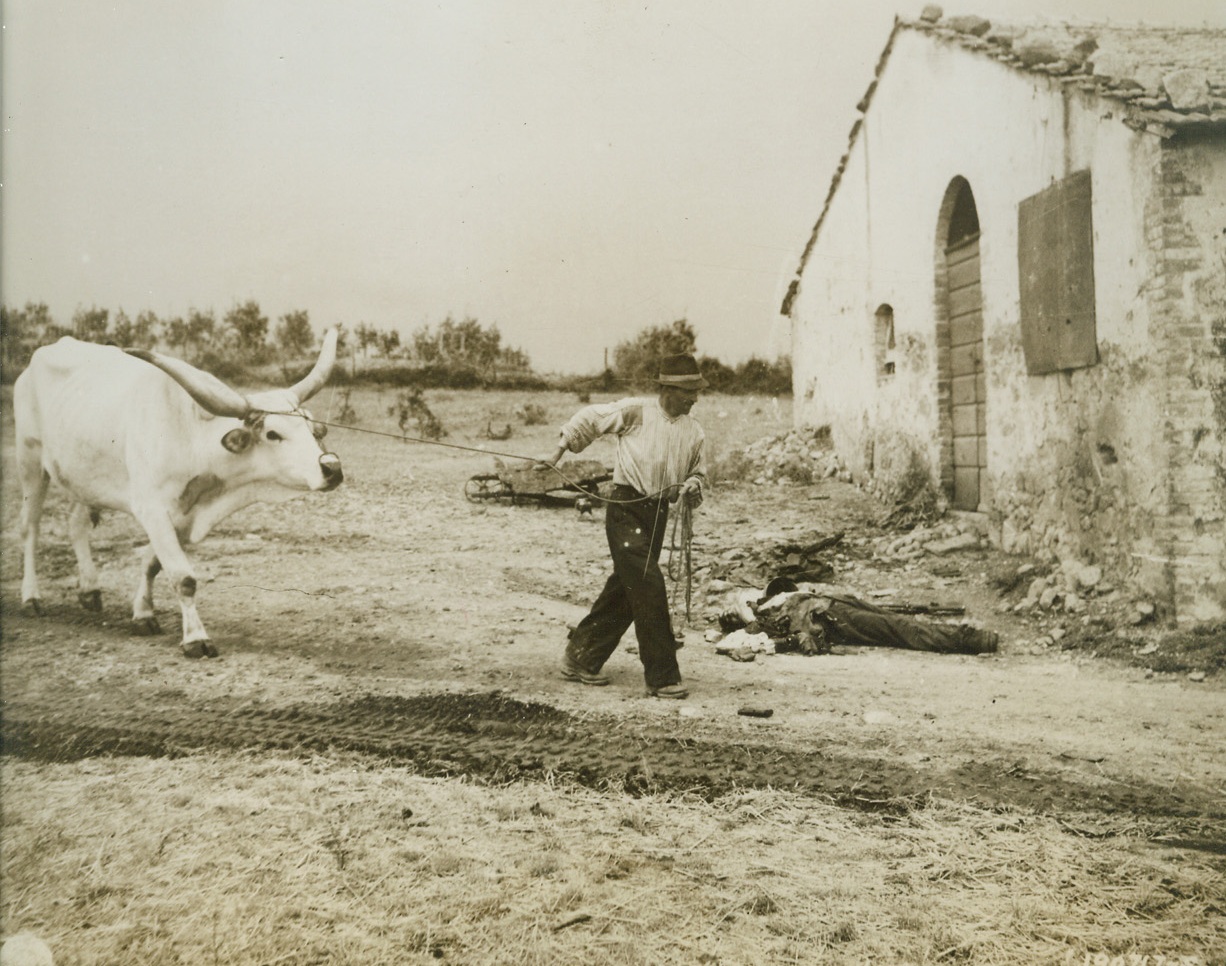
(454, 354)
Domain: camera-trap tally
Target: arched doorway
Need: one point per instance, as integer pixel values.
(961, 381)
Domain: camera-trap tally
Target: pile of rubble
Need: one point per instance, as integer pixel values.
(1066, 588)
(938, 540)
(1074, 602)
(1071, 586)
(804, 455)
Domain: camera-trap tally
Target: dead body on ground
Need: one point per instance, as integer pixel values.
(813, 618)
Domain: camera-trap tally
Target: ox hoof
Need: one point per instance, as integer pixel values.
(32, 607)
(91, 600)
(146, 626)
(198, 649)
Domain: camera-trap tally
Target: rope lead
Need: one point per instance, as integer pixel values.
(683, 521)
(667, 491)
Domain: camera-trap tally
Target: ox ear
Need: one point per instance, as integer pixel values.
(207, 390)
(238, 440)
(315, 379)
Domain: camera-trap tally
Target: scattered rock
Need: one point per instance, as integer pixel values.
(803, 455)
(1082, 576)
(1079, 756)
(931, 13)
(1033, 50)
(1142, 613)
(969, 24)
(745, 655)
(1196, 676)
(1188, 89)
(964, 541)
(753, 711)
(25, 949)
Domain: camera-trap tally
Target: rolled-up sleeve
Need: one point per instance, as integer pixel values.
(592, 422)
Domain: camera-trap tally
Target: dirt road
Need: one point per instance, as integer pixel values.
(395, 615)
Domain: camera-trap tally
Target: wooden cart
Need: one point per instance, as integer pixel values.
(572, 484)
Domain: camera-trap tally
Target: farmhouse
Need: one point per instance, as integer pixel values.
(1016, 293)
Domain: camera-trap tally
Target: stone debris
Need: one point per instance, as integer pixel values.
(1068, 588)
(969, 24)
(1188, 90)
(940, 539)
(1143, 613)
(963, 541)
(804, 455)
(25, 949)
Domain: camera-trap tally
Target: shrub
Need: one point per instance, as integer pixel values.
(533, 414)
(758, 376)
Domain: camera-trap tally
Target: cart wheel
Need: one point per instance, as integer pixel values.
(480, 488)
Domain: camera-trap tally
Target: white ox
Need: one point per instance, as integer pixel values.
(170, 444)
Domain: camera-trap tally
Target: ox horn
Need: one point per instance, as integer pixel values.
(211, 393)
(315, 379)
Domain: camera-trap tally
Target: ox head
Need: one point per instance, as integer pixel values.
(277, 434)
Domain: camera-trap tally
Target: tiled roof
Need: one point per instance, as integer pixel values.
(1165, 79)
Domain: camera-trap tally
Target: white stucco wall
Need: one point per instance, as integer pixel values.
(1076, 460)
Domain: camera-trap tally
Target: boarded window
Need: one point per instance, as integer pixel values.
(1055, 260)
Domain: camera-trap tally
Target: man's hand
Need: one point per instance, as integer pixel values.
(551, 461)
(691, 491)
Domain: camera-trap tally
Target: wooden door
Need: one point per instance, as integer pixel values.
(968, 396)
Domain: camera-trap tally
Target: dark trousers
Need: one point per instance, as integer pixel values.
(854, 621)
(634, 594)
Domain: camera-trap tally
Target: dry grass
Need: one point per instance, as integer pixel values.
(249, 860)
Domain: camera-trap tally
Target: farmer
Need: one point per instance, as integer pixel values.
(659, 460)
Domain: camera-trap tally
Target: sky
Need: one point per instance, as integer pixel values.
(571, 171)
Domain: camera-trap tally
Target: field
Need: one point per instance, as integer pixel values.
(383, 765)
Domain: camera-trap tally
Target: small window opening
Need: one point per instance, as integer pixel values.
(883, 340)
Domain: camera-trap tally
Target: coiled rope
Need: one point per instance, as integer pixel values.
(683, 521)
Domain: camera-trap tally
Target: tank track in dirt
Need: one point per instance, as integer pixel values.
(498, 738)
